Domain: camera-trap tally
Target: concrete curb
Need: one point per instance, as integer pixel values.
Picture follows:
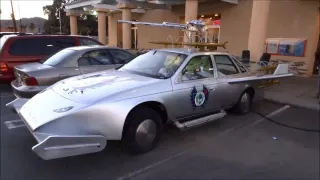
(298, 104)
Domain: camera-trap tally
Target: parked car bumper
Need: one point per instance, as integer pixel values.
(23, 91)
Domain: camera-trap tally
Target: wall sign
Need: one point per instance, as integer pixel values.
(286, 46)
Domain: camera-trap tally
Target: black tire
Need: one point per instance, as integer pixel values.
(132, 139)
(244, 104)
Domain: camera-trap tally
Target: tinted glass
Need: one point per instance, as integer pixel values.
(58, 57)
(87, 41)
(120, 57)
(39, 46)
(225, 66)
(157, 64)
(96, 57)
(199, 67)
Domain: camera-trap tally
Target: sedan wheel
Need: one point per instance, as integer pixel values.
(142, 130)
(244, 104)
(146, 133)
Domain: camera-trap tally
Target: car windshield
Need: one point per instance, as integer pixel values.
(58, 57)
(156, 64)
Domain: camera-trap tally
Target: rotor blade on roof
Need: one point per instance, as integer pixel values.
(164, 24)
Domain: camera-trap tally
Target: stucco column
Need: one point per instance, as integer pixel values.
(102, 25)
(191, 13)
(258, 29)
(126, 28)
(73, 23)
(112, 30)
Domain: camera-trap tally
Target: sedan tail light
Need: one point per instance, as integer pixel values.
(30, 81)
(3, 67)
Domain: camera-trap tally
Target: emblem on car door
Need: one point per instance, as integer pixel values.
(199, 98)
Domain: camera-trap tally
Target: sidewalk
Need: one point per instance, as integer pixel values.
(295, 91)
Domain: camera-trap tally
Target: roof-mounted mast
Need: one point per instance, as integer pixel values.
(195, 26)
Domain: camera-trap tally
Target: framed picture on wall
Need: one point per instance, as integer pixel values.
(293, 47)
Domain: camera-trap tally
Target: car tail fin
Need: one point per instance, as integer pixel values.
(281, 69)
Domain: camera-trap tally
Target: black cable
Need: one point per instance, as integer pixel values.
(285, 125)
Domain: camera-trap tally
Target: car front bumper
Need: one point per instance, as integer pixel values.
(23, 91)
(53, 146)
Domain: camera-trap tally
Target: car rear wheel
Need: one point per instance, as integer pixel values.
(143, 131)
(244, 104)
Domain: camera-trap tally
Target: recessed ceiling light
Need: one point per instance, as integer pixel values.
(202, 16)
(216, 15)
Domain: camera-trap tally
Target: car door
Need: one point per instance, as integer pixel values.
(226, 69)
(120, 57)
(195, 90)
(95, 60)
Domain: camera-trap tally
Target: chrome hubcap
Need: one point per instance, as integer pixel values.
(245, 102)
(146, 132)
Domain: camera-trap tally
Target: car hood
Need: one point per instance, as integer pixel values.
(112, 84)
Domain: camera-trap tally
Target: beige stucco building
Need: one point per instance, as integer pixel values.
(245, 24)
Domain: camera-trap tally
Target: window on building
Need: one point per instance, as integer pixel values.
(199, 67)
(225, 66)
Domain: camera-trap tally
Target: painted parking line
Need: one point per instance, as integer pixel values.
(14, 124)
(272, 114)
(139, 171)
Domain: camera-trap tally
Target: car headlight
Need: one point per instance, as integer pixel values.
(62, 110)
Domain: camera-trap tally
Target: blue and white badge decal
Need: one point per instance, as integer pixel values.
(199, 98)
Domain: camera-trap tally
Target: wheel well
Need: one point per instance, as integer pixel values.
(250, 90)
(158, 107)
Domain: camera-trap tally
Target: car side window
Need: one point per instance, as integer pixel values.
(87, 41)
(199, 67)
(225, 66)
(241, 67)
(120, 57)
(96, 57)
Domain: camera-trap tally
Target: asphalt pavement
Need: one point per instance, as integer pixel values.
(235, 147)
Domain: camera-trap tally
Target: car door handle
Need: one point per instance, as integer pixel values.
(212, 89)
(76, 69)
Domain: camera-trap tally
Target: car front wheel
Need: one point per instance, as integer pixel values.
(143, 130)
(244, 104)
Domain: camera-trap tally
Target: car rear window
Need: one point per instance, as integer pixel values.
(39, 46)
(58, 57)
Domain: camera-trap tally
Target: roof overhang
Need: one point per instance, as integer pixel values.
(88, 5)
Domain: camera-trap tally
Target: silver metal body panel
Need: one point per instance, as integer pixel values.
(48, 75)
(97, 104)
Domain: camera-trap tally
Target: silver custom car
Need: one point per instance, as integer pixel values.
(32, 78)
(80, 114)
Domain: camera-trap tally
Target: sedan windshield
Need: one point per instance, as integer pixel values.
(58, 57)
(157, 64)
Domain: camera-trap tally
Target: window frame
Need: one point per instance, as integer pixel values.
(189, 60)
(105, 50)
(232, 61)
